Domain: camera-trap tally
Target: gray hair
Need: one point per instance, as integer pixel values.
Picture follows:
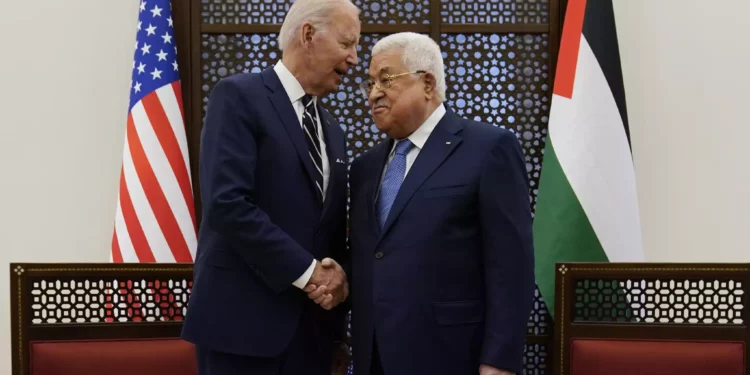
(420, 52)
(316, 12)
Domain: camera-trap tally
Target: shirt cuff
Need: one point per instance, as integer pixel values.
(302, 281)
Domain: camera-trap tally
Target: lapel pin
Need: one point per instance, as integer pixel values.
(447, 143)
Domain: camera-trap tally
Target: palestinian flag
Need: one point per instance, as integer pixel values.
(587, 208)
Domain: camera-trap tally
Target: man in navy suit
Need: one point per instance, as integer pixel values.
(273, 178)
(440, 229)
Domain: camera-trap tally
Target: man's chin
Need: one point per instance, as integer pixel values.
(382, 128)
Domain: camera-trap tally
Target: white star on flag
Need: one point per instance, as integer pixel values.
(156, 73)
(156, 11)
(162, 55)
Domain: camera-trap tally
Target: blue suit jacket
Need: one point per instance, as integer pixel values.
(262, 223)
(448, 283)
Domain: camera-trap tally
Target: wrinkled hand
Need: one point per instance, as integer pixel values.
(328, 286)
(341, 360)
(489, 370)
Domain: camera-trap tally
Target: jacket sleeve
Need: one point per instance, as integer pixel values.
(507, 245)
(228, 161)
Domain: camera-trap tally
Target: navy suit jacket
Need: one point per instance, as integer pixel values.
(262, 223)
(448, 283)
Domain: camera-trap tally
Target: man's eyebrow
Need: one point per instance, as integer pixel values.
(383, 70)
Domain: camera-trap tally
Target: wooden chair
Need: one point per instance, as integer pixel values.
(652, 319)
(100, 319)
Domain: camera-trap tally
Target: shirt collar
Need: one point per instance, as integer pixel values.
(290, 83)
(420, 136)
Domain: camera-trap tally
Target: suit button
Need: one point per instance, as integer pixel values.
(379, 254)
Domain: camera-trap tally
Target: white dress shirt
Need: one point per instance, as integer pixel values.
(296, 92)
(418, 138)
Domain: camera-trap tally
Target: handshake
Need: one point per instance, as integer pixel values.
(328, 286)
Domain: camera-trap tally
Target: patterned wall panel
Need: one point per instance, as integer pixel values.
(502, 79)
(244, 11)
(535, 359)
(394, 11)
(539, 322)
(223, 55)
(230, 12)
(495, 11)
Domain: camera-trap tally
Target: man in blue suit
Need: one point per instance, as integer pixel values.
(273, 177)
(440, 229)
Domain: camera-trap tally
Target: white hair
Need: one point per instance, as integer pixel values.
(316, 12)
(420, 52)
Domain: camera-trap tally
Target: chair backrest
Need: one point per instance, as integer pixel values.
(649, 319)
(100, 319)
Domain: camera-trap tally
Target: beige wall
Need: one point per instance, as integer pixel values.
(66, 68)
(64, 76)
(686, 67)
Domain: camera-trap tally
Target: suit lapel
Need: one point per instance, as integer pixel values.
(334, 140)
(380, 155)
(438, 147)
(283, 106)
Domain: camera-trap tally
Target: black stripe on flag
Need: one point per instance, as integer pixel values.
(601, 34)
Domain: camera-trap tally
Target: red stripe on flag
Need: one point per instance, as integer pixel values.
(177, 87)
(565, 75)
(168, 142)
(116, 254)
(135, 231)
(155, 195)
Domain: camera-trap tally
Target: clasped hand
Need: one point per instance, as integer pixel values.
(328, 286)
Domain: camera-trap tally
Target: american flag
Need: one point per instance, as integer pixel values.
(155, 218)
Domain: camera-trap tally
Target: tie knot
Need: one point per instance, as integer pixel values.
(306, 100)
(403, 146)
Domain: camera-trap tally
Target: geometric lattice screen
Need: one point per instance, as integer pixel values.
(498, 61)
(660, 301)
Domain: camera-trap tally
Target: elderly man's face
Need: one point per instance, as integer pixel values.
(398, 110)
(333, 52)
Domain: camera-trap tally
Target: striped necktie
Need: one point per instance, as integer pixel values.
(310, 126)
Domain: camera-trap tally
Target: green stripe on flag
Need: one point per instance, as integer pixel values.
(562, 232)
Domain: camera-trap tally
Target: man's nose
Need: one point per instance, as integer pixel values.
(375, 94)
(352, 58)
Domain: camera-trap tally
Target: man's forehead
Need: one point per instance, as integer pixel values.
(351, 35)
(385, 63)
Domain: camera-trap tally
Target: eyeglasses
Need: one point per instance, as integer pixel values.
(384, 83)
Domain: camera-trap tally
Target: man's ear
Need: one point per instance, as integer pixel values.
(430, 85)
(306, 34)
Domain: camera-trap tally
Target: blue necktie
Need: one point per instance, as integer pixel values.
(394, 175)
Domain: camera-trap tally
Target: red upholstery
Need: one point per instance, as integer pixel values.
(113, 357)
(641, 357)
